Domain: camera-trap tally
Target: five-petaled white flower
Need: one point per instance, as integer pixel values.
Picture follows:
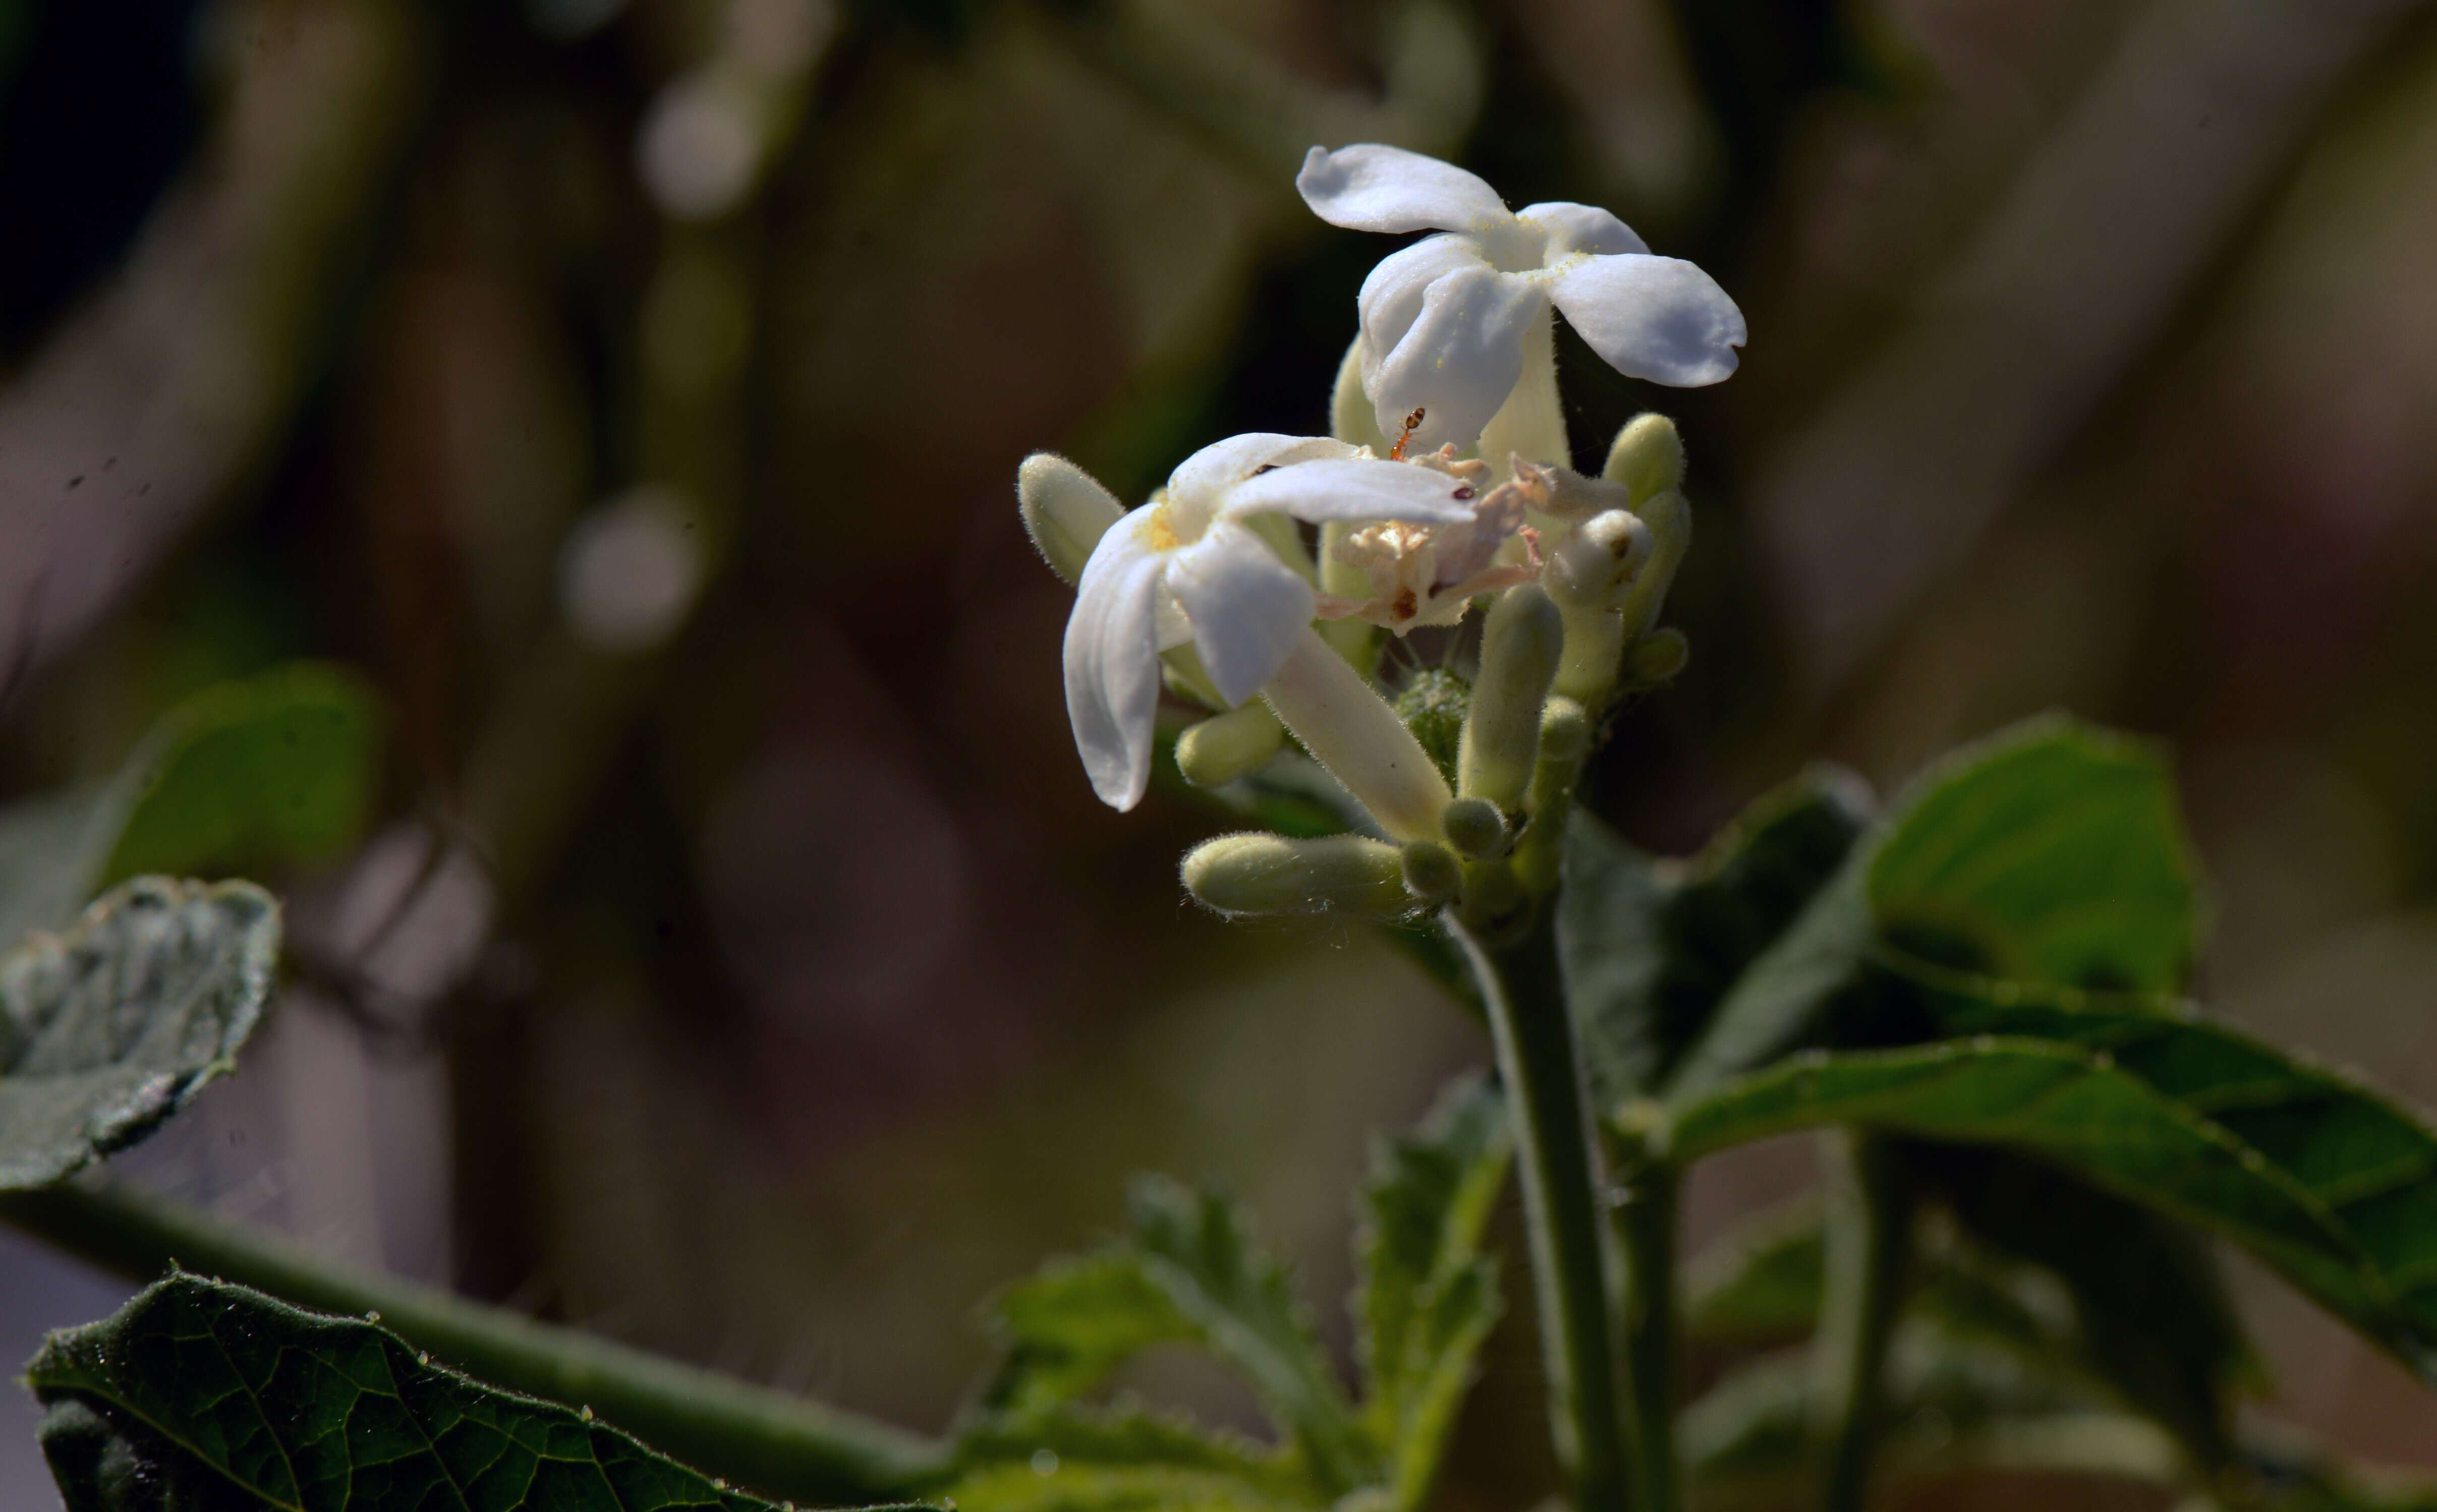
(1444, 322)
(1187, 566)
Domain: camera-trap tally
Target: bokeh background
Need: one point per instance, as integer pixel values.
(738, 964)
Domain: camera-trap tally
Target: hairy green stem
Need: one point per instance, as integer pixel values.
(778, 1444)
(1645, 1227)
(1538, 1061)
(1869, 1235)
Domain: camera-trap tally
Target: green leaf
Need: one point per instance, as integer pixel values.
(2052, 853)
(1073, 1458)
(108, 1030)
(2081, 1109)
(204, 1395)
(1428, 1297)
(1761, 1283)
(1651, 948)
(257, 774)
(275, 770)
(1187, 1273)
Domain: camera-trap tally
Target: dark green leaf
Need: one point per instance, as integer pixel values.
(270, 772)
(2082, 1110)
(1187, 1273)
(2051, 853)
(1428, 1297)
(110, 1029)
(199, 1394)
(275, 770)
(1762, 1282)
(1652, 948)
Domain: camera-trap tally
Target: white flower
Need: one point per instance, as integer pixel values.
(1187, 566)
(1444, 321)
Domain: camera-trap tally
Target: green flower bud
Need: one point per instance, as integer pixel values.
(1594, 653)
(1258, 874)
(1564, 730)
(1475, 827)
(1433, 705)
(1598, 562)
(1226, 746)
(1432, 873)
(1065, 511)
(1519, 649)
(1670, 520)
(1648, 458)
(1658, 657)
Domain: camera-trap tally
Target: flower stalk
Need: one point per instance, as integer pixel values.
(1645, 1214)
(1540, 1067)
(1869, 1233)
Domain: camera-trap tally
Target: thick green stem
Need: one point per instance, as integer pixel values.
(778, 1444)
(1869, 1235)
(1645, 1227)
(1538, 1061)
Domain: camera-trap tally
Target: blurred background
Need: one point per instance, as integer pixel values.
(733, 958)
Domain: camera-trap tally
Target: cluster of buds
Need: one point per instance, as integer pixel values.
(1213, 589)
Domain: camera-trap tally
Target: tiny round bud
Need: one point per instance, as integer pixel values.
(1595, 565)
(1658, 657)
(1230, 745)
(1565, 730)
(1432, 872)
(1648, 458)
(1270, 875)
(1520, 645)
(1476, 828)
(1065, 511)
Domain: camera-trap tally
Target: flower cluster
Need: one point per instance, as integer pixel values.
(1214, 590)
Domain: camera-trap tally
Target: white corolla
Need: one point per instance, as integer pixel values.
(1188, 567)
(1445, 322)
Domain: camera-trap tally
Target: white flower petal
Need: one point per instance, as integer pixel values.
(1392, 297)
(1356, 488)
(1112, 662)
(1459, 358)
(1248, 608)
(1370, 187)
(1655, 317)
(1202, 481)
(1572, 227)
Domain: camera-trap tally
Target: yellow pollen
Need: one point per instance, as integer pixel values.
(1156, 530)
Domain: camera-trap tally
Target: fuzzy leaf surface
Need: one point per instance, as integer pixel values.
(240, 1400)
(107, 1031)
(1429, 1296)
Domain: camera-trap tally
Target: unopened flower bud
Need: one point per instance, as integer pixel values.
(1065, 511)
(1520, 648)
(1475, 827)
(1350, 730)
(1658, 657)
(1260, 874)
(1432, 873)
(1564, 730)
(1648, 458)
(1598, 561)
(1670, 520)
(1226, 746)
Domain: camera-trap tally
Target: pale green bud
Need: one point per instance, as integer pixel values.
(1065, 511)
(1598, 562)
(1475, 827)
(1658, 657)
(1564, 730)
(1520, 645)
(1226, 746)
(1260, 874)
(1432, 873)
(1670, 520)
(1648, 458)
(1594, 653)
(1350, 730)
